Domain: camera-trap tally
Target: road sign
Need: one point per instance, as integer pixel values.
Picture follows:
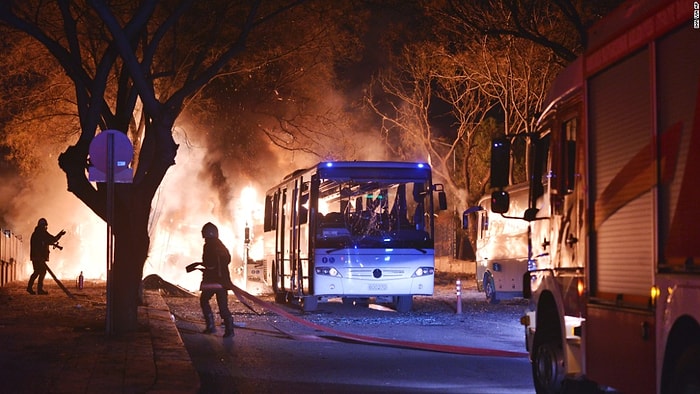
(121, 156)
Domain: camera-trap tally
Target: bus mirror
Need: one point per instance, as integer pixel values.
(500, 162)
(530, 214)
(500, 201)
(442, 200)
(465, 216)
(442, 197)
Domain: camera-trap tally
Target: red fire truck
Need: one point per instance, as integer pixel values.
(614, 225)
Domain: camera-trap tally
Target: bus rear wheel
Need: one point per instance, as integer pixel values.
(490, 289)
(309, 303)
(280, 294)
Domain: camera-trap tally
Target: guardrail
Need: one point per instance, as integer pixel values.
(11, 255)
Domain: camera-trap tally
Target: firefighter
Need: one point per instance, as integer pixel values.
(39, 254)
(215, 280)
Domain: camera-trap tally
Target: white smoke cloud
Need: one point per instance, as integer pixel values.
(44, 195)
(208, 183)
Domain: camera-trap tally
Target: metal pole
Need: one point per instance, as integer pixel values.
(110, 216)
(459, 297)
(246, 242)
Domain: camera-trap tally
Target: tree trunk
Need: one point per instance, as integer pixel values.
(130, 253)
(132, 205)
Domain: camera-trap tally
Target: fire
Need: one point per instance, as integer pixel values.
(173, 246)
(204, 186)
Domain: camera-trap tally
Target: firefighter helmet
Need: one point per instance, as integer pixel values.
(42, 223)
(209, 230)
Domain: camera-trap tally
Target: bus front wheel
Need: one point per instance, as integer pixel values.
(403, 303)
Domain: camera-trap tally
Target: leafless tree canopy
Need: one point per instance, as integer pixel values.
(449, 74)
(135, 67)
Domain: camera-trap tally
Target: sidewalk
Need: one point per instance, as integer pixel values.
(55, 344)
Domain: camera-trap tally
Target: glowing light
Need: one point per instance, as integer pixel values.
(323, 207)
(655, 293)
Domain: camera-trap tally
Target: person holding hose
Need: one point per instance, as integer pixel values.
(216, 280)
(39, 254)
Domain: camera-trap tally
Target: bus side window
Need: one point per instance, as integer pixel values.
(270, 212)
(484, 219)
(304, 203)
(303, 210)
(419, 214)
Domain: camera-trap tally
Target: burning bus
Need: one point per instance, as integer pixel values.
(354, 230)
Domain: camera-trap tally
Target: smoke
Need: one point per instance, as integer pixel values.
(213, 182)
(44, 195)
(215, 179)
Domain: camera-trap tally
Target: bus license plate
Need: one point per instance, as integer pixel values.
(377, 286)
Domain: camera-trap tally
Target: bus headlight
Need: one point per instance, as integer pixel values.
(328, 271)
(421, 271)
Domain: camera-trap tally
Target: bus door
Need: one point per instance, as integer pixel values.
(281, 261)
(299, 236)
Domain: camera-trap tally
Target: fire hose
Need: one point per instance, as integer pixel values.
(246, 299)
(60, 284)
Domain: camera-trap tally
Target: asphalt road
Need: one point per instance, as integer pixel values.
(272, 353)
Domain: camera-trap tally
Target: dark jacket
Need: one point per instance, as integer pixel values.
(215, 258)
(40, 242)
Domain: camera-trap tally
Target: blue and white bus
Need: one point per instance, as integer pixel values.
(352, 230)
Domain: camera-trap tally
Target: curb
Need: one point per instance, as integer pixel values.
(174, 370)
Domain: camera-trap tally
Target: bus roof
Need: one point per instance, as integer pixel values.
(368, 170)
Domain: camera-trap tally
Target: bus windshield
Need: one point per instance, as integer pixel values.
(373, 214)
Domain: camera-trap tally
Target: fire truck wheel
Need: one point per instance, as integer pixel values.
(548, 367)
(685, 375)
(490, 289)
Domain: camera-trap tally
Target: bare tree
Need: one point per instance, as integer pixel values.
(495, 59)
(516, 74)
(515, 49)
(133, 68)
(558, 26)
(462, 89)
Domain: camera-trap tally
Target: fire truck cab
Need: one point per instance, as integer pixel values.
(614, 231)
